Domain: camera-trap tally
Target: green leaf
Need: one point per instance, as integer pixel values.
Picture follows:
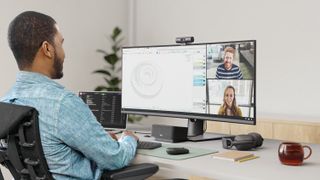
(107, 80)
(112, 59)
(113, 89)
(115, 49)
(134, 118)
(101, 71)
(101, 88)
(115, 81)
(116, 33)
(102, 51)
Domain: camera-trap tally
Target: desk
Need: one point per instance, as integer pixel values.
(266, 167)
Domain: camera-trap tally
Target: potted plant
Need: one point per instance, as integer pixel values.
(112, 71)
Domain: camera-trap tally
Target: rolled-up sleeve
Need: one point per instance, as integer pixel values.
(78, 128)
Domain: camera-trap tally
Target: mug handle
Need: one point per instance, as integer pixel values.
(310, 152)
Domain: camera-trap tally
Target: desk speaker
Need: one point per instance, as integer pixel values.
(243, 142)
(169, 133)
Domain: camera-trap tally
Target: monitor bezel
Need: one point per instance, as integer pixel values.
(200, 116)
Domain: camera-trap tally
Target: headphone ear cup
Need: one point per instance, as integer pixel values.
(258, 139)
(243, 142)
(227, 143)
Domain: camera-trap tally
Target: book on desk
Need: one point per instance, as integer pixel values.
(236, 156)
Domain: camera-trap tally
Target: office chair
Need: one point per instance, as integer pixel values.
(21, 150)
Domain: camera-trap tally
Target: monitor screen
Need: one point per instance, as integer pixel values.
(106, 106)
(209, 81)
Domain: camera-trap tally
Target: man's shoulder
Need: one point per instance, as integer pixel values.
(235, 66)
(221, 66)
(65, 95)
(53, 91)
(41, 91)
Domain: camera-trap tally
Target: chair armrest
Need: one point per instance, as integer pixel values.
(134, 172)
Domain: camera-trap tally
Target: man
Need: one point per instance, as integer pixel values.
(74, 143)
(228, 70)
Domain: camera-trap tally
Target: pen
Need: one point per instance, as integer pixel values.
(247, 159)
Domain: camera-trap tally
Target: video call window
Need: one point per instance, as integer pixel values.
(230, 72)
(239, 55)
(243, 95)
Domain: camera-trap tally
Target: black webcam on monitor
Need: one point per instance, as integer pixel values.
(185, 40)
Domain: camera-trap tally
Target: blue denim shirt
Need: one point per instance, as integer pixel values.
(75, 145)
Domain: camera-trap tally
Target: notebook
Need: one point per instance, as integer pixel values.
(233, 155)
(106, 106)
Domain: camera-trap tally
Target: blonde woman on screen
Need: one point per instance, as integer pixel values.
(229, 106)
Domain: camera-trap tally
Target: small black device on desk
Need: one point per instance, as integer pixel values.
(168, 133)
(177, 150)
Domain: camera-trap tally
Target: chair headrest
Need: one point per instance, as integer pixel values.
(11, 115)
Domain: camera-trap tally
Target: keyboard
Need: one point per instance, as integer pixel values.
(148, 145)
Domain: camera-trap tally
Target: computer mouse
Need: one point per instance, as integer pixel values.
(177, 150)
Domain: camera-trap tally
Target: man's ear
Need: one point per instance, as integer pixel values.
(47, 49)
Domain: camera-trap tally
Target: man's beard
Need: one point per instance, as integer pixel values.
(58, 66)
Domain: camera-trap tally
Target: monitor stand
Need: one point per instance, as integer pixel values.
(196, 132)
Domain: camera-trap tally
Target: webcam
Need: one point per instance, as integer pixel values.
(185, 40)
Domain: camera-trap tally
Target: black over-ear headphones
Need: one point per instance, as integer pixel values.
(243, 142)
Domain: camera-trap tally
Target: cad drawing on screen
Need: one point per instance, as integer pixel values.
(147, 79)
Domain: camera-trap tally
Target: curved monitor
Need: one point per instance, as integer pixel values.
(208, 81)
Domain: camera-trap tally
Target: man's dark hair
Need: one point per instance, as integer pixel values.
(26, 34)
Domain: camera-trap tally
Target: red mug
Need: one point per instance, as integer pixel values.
(291, 153)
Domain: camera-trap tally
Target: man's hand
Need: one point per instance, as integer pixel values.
(113, 135)
(129, 133)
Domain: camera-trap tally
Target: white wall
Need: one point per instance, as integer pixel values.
(85, 26)
(287, 34)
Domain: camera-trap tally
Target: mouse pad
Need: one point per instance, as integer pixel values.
(161, 152)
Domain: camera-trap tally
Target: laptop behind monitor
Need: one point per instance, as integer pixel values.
(106, 106)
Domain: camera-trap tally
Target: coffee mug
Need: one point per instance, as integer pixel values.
(291, 153)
